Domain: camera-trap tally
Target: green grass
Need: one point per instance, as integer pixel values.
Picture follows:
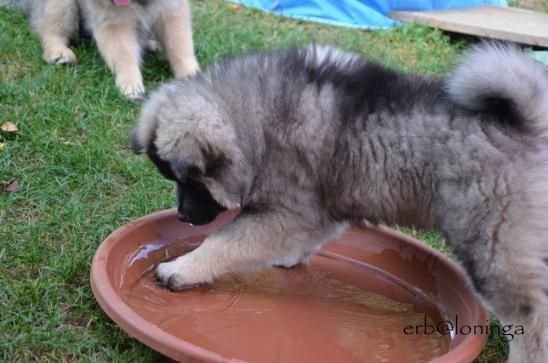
(536, 5)
(79, 182)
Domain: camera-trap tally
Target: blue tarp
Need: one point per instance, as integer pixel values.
(367, 14)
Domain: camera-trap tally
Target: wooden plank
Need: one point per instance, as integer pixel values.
(516, 25)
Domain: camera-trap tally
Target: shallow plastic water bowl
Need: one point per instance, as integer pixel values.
(373, 295)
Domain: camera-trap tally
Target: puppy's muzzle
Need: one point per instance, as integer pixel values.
(196, 205)
(183, 216)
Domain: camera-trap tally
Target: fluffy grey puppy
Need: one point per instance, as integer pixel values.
(309, 140)
(120, 29)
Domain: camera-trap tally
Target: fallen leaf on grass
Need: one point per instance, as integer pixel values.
(9, 127)
(2, 146)
(64, 141)
(234, 6)
(10, 186)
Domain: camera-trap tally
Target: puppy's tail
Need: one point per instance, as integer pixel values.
(499, 78)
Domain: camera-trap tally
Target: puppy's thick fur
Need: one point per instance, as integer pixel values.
(121, 30)
(306, 141)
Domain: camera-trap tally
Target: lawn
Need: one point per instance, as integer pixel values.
(79, 181)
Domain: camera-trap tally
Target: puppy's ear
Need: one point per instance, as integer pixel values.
(145, 130)
(134, 143)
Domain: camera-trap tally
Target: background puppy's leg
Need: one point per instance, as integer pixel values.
(174, 31)
(120, 48)
(250, 243)
(59, 24)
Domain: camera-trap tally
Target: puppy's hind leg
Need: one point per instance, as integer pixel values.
(252, 242)
(521, 303)
(119, 45)
(58, 25)
(174, 30)
(510, 275)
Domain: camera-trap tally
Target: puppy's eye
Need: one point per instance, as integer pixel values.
(215, 166)
(183, 171)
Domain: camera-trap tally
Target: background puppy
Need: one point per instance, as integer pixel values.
(307, 141)
(121, 29)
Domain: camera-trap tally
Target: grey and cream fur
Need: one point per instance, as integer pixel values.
(121, 34)
(309, 140)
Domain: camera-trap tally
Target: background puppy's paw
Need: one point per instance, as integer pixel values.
(131, 88)
(59, 55)
(178, 275)
(187, 68)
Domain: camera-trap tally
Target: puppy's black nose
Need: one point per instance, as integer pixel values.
(183, 216)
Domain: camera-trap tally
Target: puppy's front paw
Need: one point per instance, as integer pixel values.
(180, 274)
(59, 55)
(132, 88)
(294, 260)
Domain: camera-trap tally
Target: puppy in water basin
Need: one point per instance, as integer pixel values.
(309, 140)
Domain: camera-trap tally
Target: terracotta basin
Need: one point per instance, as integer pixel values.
(372, 295)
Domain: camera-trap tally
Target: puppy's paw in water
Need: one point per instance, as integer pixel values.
(133, 89)
(294, 261)
(179, 274)
(59, 55)
(291, 267)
